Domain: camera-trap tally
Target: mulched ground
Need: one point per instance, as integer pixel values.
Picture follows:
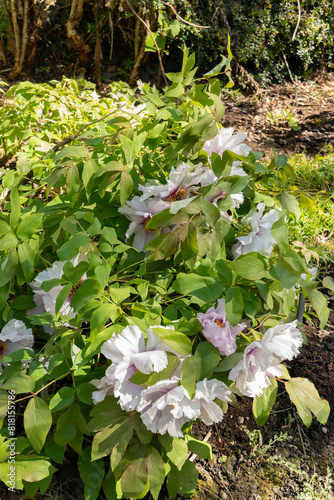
(290, 468)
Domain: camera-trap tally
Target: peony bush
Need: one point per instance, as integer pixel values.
(146, 283)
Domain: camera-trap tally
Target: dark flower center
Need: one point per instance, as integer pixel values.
(219, 322)
(3, 349)
(181, 194)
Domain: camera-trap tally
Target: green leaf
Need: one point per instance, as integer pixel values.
(176, 449)
(190, 371)
(217, 69)
(156, 471)
(306, 398)
(189, 248)
(29, 226)
(251, 266)
(319, 304)
(200, 448)
(229, 362)
(86, 292)
(264, 403)
(19, 355)
(280, 232)
(62, 296)
(205, 288)
(61, 400)
(208, 357)
(290, 203)
(183, 481)
(175, 90)
(73, 180)
(287, 276)
(176, 340)
(15, 208)
(54, 451)
(68, 425)
(126, 187)
(8, 241)
(72, 152)
(28, 468)
(113, 439)
(26, 257)
(296, 262)
(102, 273)
(327, 283)
(37, 422)
(71, 247)
(234, 305)
(91, 473)
(100, 317)
(84, 392)
(20, 383)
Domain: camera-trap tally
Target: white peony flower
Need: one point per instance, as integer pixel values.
(284, 341)
(260, 238)
(180, 183)
(225, 140)
(139, 212)
(14, 336)
(46, 301)
(261, 360)
(166, 406)
(129, 354)
(206, 392)
(253, 373)
(217, 330)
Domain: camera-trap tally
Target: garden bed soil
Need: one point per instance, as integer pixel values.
(298, 462)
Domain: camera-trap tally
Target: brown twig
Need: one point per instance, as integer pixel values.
(154, 40)
(183, 20)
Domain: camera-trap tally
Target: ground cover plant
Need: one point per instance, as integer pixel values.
(139, 231)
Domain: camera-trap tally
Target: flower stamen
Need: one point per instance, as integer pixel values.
(220, 322)
(181, 194)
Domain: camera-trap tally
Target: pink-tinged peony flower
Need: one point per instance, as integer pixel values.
(181, 181)
(253, 373)
(14, 336)
(225, 140)
(46, 301)
(260, 238)
(139, 212)
(166, 406)
(129, 354)
(261, 360)
(217, 330)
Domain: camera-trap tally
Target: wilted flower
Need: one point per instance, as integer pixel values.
(261, 359)
(166, 406)
(217, 330)
(139, 212)
(14, 336)
(129, 354)
(260, 238)
(46, 301)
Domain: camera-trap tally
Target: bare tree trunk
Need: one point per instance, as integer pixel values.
(72, 33)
